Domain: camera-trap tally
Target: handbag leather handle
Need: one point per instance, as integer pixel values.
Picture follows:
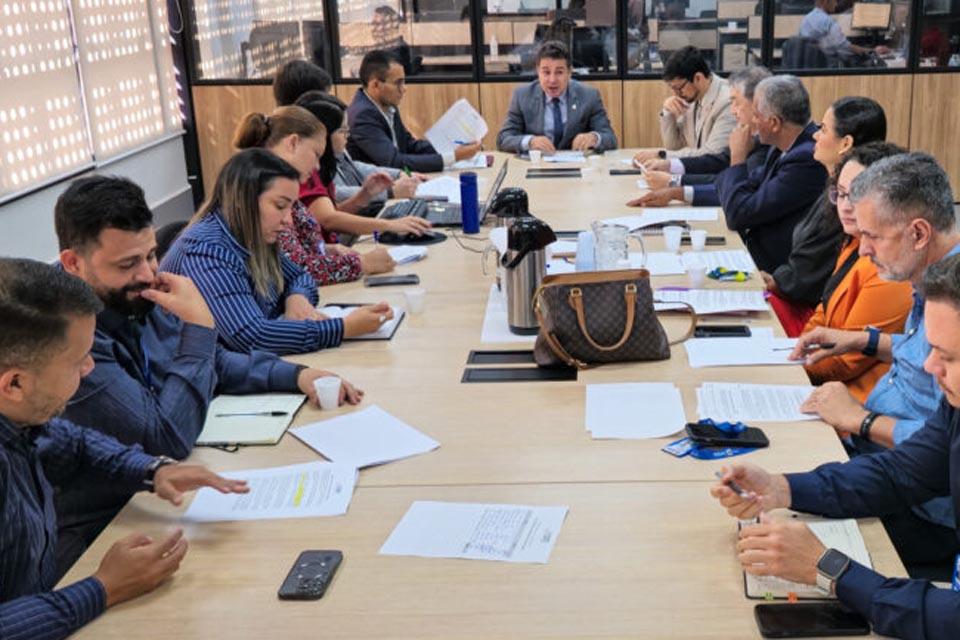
(575, 298)
(693, 322)
(551, 339)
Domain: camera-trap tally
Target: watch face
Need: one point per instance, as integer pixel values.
(832, 562)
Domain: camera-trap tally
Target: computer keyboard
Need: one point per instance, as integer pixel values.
(405, 208)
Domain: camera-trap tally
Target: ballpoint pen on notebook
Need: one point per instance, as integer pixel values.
(272, 414)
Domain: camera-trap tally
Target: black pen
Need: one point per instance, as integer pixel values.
(272, 414)
(810, 347)
(733, 485)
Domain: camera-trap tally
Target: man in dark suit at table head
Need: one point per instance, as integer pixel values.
(377, 134)
(555, 112)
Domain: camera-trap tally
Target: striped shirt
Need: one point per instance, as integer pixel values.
(208, 254)
(28, 529)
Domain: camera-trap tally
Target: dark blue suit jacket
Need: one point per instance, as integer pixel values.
(370, 139)
(765, 204)
(701, 172)
(924, 466)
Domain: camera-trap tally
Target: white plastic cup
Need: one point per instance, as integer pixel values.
(535, 156)
(698, 277)
(671, 238)
(328, 392)
(415, 298)
(698, 239)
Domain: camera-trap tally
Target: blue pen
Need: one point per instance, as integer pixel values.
(376, 237)
(460, 142)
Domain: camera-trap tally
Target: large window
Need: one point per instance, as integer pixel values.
(512, 30)
(67, 104)
(253, 38)
(840, 34)
(430, 37)
(940, 34)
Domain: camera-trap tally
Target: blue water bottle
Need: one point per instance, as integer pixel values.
(469, 202)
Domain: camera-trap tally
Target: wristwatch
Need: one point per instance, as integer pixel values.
(831, 565)
(872, 341)
(153, 467)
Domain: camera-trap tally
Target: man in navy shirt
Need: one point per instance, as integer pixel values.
(922, 467)
(47, 319)
(158, 361)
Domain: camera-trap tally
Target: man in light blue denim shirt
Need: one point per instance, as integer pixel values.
(904, 208)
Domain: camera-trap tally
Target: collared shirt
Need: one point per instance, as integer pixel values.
(28, 538)
(925, 466)
(548, 124)
(209, 255)
(351, 174)
(819, 26)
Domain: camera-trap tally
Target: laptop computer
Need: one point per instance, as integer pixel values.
(442, 214)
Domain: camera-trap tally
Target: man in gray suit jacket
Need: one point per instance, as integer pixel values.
(538, 107)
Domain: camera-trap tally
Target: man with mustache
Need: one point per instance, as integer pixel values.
(158, 361)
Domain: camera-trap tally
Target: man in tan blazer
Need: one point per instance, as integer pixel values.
(696, 119)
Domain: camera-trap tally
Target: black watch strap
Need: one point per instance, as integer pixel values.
(872, 342)
(153, 467)
(867, 423)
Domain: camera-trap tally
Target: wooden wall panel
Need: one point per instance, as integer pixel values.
(218, 110)
(935, 122)
(642, 100)
(892, 92)
(494, 101)
(611, 92)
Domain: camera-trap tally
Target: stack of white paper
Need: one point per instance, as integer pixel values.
(364, 438)
(658, 263)
(711, 301)
(725, 401)
(478, 161)
(560, 265)
(731, 352)
(564, 157)
(404, 253)
(441, 187)
(504, 532)
(251, 419)
(496, 328)
(737, 259)
(686, 214)
(296, 491)
(461, 123)
(634, 410)
(386, 329)
(562, 246)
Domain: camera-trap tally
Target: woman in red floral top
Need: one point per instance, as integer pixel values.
(281, 133)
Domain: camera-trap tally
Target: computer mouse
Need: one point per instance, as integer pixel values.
(429, 237)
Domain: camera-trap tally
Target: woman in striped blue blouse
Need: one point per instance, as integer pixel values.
(259, 298)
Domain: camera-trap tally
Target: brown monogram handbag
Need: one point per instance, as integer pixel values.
(597, 317)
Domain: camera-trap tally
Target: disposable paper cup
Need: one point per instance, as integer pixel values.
(698, 277)
(535, 156)
(328, 392)
(415, 299)
(671, 238)
(698, 239)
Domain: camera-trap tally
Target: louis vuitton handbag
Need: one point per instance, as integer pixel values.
(597, 317)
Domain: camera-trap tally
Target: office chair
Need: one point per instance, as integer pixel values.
(167, 235)
(803, 53)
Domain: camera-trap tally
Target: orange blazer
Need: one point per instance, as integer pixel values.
(860, 299)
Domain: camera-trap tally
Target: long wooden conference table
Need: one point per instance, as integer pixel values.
(644, 552)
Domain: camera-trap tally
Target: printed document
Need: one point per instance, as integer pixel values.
(725, 401)
(658, 263)
(404, 253)
(496, 327)
(711, 301)
(504, 532)
(296, 491)
(564, 157)
(386, 330)
(441, 187)
(737, 259)
(252, 419)
(842, 535)
(461, 123)
(364, 438)
(731, 352)
(634, 410)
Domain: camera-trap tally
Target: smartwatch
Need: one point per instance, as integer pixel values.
(872, 342)
(662, 154)
(831, 565)
(153, 467)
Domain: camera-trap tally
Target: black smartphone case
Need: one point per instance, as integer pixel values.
(708, 436)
